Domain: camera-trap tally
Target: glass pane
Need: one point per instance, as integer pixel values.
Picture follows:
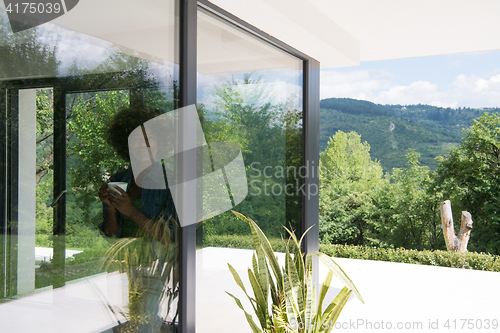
(75, 258)
(249, 94)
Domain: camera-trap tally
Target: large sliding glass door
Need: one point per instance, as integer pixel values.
(64, 85)
(251, 94)
(73, 258)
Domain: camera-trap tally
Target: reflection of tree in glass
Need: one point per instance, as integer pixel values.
(268, 131)
(87, 116)
(26, 53)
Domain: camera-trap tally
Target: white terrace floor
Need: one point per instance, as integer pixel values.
(398, 297)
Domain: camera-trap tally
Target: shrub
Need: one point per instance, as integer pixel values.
(469, 260)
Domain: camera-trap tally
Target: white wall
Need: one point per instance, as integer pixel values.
(27, 191)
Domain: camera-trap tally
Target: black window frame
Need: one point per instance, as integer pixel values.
(187, 93)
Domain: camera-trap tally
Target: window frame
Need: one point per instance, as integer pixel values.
(187, 96)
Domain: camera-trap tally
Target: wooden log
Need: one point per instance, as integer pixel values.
(464, 233)
(453, 242)
(450, 237)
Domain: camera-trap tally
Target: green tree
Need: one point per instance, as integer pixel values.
(360, 206)
(91, 156)
(470, 177)
(349, 183)
(408, 210)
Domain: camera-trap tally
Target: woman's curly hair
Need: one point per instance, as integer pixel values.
(123, 123)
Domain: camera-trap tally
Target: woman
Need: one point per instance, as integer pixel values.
(124, 215)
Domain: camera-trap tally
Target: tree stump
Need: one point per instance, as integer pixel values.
(454, 242)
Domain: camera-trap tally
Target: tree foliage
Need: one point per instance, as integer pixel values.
(359, 206)
(408, 212)
(349, 183)
(470, 177)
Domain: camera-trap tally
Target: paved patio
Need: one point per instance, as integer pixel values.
(412, 297)
(398, 297)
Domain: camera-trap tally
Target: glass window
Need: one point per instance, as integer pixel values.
(249, 94)
(73, 257)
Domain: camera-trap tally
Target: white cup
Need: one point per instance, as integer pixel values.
(122, 185)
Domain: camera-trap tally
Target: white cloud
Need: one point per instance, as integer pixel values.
(359, 84)
(417, 92)
(376, 86)
(471, 90)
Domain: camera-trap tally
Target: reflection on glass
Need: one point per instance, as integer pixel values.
(249, 94)
(64, 84)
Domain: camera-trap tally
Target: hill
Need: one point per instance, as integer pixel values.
(392, 129)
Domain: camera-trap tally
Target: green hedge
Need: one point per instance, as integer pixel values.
(469, 260)
(240, 242)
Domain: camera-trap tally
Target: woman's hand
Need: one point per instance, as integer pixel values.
(121, 202)
(104, 194)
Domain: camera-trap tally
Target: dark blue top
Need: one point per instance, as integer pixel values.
(154, 203)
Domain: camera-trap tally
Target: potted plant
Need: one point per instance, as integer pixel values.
(284, 298)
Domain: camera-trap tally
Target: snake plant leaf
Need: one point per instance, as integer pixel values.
(280, 320)
(339, 272)
(336, 301)
(295, 282)
(238, 281)
(334, 314)
(263, 273)
(261, 241)
(274, 294)
(310, 300)
(261, 302)
(114, 250)
(324, 289)
(299, 264)
(252, 324)
(255, 265)
(304, 234)
(236, 277)
(292, 312)
(297, 257)
(309, 263)
(255, 236)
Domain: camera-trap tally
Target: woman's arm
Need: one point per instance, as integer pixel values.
(125, 206)
(110, 226)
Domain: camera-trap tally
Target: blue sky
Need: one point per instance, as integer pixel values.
(459, 80)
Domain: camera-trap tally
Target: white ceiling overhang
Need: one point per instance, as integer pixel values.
(344, 32)
(335, 32)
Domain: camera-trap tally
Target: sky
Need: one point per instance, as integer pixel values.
(459, 80)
